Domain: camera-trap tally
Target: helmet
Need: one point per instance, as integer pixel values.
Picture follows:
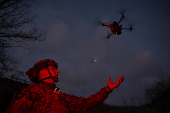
(33, 72)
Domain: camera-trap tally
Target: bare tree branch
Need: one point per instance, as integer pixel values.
(16, 28)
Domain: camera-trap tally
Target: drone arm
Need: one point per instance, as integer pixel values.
(121, 19)
(125, 28)
(128, 28)
(109, 35)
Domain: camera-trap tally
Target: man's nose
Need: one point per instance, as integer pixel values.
(58, 71)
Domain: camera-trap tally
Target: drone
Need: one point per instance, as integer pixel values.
(115, 27)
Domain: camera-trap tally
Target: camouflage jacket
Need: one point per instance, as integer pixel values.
(42, 98)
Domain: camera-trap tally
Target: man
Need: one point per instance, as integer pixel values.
(44, 97)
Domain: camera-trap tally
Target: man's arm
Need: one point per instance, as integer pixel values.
(83, 104)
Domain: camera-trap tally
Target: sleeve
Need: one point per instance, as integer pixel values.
(24, 101)
(83, 104)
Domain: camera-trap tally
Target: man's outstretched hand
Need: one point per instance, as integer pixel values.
(114, 85)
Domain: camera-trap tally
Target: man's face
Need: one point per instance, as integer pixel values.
(44, 74)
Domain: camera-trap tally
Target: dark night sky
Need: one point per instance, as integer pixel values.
(74, 42)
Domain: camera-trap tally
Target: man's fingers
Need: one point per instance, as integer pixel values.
(109, 79)
(119, 80)
(122, 78)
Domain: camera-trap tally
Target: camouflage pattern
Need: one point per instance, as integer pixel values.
(45, 98)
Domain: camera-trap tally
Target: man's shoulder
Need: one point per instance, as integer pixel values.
(31, 88)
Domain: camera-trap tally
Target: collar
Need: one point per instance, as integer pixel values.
(51, 86)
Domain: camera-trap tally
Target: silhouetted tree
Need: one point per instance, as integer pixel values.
(16, 27)
(158, 90)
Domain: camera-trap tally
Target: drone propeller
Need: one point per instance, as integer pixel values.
(122, 11)
(103, 37)
(99, 22)
(106, 37)
(131, 25)
(124, 18)
(130, 28)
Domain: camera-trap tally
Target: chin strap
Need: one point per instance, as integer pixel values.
(48, 76)
(51, 75)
